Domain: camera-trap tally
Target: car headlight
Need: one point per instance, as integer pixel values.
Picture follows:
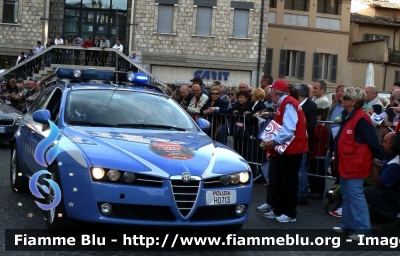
(129, 177)
(235, 178)
(18, 119)
(225, 179)
(113, 175)
(244, 177)
(98, 173)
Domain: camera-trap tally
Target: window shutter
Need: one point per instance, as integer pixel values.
(302, 60)
(268, 62)
(282, 64)
(315, 72)
(334, 67)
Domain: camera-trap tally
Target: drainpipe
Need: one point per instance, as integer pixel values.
(260, 43)
(132, 27)
(384, 78)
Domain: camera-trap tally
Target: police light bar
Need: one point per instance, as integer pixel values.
(85, 74)
(137, 77)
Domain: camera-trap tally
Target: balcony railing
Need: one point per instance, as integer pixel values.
(78, 56)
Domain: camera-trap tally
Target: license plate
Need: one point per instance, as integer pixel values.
(218, 197)
(2, 129)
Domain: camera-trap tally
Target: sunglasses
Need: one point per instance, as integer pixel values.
(346, 98)
(231, 94)
(214, 93)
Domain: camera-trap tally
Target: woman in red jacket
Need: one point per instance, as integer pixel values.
(356, 146)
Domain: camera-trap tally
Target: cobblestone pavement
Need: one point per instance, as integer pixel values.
(13, 216)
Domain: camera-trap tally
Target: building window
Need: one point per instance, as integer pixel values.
(292, 64)
(298, 5)
(272, 3)
(328, 6)
(396, 76)
(165, 18)
(372, 37)
(325, 66)
(203, 21)
(240, 23)
(10, 11)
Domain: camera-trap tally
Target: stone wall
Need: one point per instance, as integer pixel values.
(28, 30)
(184, 42)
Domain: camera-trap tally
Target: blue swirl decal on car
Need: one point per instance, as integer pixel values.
(44, 158)
(34, 189)
(40, 152)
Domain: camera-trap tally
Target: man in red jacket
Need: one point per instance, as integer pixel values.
(291, 117)
(87, 44)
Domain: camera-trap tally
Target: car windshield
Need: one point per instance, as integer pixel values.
(125, 109)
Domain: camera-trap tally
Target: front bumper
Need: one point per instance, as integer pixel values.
(148, 205)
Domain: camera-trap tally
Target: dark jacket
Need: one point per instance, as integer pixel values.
(219, 103)
(252, 122)
(186, 101)
(310, 112)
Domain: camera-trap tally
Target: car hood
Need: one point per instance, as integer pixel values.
(157, 153)
(7, 111)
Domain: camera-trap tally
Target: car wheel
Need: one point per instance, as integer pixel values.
(17, 182)
(56, 217)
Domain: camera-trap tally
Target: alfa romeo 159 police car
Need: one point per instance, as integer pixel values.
(129, 154)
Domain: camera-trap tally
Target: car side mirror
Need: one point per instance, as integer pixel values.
(42, 116)
(203, 124)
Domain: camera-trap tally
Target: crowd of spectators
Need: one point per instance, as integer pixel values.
(73, 56)
(20, 94)
(342, 126)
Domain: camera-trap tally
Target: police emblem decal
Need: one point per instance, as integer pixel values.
(186, 177)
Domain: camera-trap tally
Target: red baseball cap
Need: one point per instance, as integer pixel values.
(280, 85)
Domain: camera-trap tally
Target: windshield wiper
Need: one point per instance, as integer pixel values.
(151, 126)
(90, 123)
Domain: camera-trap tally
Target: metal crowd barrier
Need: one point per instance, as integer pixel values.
(227, 130)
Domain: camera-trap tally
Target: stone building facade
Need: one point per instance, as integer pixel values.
(224, 52)
(22, 32)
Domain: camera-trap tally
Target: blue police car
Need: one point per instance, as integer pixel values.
(128, 154)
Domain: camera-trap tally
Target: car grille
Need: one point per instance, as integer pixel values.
(185, 194)
(6, 121)
(215, 213)
(141, 212)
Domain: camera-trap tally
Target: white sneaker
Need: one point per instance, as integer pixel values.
(285, 219)
(270, 215)
(265, 208)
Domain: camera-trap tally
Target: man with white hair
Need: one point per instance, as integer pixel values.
(198, 101)
(371, 95)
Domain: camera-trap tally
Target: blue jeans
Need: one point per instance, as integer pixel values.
(303, 181)
(355, 215)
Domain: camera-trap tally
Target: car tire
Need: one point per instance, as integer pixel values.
(17, 181)
(56, 218)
